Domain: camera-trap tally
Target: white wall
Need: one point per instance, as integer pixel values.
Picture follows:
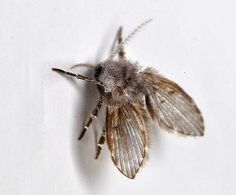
(41, 113)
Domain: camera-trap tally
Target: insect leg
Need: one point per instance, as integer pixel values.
(121, 52)
(100, 142)
(120, 38)
(92, 116)
(78, 76)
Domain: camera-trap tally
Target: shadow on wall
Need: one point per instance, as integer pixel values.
(89, 170)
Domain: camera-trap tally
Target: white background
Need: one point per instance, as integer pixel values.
(41, 112)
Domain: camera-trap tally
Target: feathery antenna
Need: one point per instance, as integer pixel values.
(129, 37)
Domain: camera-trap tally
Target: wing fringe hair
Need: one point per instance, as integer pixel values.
(127, 137)
(169, 105)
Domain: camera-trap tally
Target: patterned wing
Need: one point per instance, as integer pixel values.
(127, 137)
(171, 106)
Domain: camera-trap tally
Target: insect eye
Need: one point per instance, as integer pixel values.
(128, 79)
(98, 71)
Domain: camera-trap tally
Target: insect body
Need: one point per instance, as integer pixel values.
(133, 97)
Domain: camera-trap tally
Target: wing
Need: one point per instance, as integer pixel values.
(127, 137)
(171, 106)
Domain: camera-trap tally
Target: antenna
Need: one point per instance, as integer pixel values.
(129, 37)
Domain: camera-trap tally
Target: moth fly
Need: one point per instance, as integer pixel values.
(133, 97)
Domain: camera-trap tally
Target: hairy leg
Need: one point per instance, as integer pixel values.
(121, 52)
(100, 142)
(92, 116)
(78, 76)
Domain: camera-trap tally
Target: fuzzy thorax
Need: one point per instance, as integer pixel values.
(120, 79)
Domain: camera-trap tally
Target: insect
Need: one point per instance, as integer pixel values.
(133, 97)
